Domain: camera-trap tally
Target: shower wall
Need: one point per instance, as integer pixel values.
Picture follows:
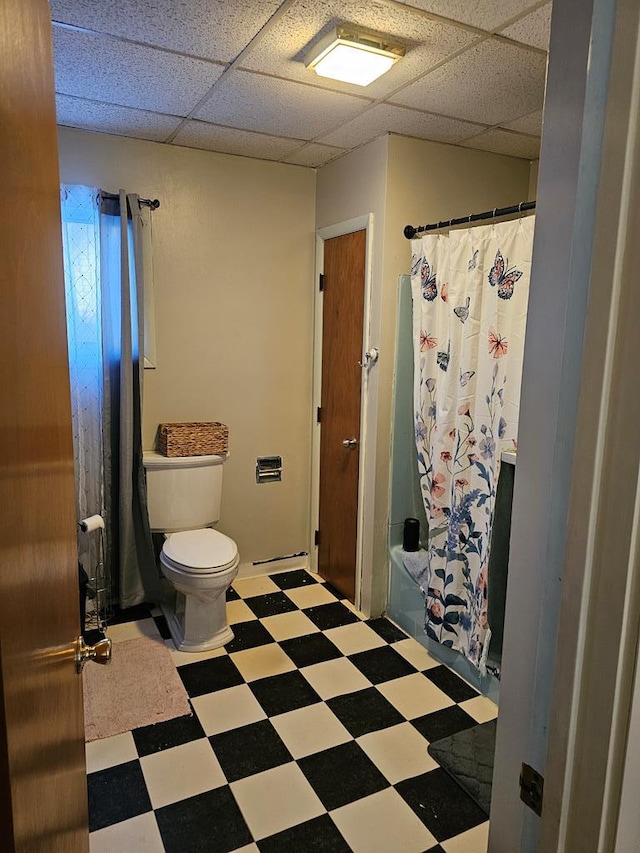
(406, 603)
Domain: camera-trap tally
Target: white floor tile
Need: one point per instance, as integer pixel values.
(414, 695)
(183, 658)
(480, 708)
(238, 611)
(132, 630)
(255, 586)
(276, 799)
(400, 752)
(262, 662)
(335, 677)
(110, 751)
(309, 730)
(354, 638)
(227, 709)
(310, 596)
(180, 772)
(381, 823)
(138, 835)
(474, 840)
(285, 626)
(417, 655)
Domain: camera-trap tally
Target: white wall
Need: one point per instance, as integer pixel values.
(401, 181)
(233, 258)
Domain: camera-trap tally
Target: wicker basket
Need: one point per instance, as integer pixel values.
(193, 439)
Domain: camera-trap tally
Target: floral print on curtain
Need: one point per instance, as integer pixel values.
(470, 293)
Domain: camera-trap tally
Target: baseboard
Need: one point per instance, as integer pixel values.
(249, 570)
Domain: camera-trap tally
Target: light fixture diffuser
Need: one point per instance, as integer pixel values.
(354, 56)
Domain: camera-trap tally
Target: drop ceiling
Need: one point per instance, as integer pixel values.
(230, 76)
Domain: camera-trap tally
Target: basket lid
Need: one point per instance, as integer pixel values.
(200, 549)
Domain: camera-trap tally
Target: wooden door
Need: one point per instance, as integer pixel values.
(342, 324)
(43, 795)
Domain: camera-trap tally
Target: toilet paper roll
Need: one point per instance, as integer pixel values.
(94, 522)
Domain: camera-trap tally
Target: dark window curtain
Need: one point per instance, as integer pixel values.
(130, 551)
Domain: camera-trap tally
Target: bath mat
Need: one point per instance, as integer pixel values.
(467, 756)
(140, 686)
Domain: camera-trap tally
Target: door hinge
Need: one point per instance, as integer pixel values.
(321, 277)
(316, 538)
(531, 788)
(318, 415)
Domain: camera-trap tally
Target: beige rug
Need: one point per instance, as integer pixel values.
(140, 686)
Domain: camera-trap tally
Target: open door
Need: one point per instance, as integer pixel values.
(43, 795)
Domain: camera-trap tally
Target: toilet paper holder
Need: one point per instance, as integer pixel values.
(268, 469)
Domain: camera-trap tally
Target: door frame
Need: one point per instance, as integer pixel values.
(368, 407)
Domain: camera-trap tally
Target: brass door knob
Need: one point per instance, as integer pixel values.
(100, 653)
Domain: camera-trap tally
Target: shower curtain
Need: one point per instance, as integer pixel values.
(470, 294)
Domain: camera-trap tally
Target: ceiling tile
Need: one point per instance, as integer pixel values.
(314, 155)
(385, 118)
(533, 29)
(283, 49)
(107, 118)
(213, 29)
(504, 142)
(486, 14)
(490, 83)
(228, 140)
(255, 102)
(527, 124)
(101, 69)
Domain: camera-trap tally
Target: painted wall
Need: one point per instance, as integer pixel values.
(403, 180)
(233, 259)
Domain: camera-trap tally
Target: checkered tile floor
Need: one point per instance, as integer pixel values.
(309, 733)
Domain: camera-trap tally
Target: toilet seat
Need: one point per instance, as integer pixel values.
(200, 552)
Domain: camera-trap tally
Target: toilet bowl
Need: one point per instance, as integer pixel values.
(200, 565)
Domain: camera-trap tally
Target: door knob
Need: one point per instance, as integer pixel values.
(100, 653)
(350, 443)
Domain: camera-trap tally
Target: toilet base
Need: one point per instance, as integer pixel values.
(197, 641)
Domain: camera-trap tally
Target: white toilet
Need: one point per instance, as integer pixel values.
(184, 495)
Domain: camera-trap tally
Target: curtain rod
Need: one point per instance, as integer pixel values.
(153, 203)
(410, 232)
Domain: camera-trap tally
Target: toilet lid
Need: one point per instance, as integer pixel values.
(200, 549)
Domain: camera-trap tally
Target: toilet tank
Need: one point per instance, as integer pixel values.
(183, 492)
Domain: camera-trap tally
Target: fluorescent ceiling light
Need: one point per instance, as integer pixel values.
(354, 56)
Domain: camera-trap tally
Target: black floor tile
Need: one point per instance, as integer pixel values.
(443, 723)
(161, 624)
(249, 749)
(150, 739)
(313, 648)
(382, 664)
(294, 579)
(207, 823)
(281, 693)
(386, 629)
(335, 591)
(248, 635)
(232, 595)
(319, 835)
(205, 676)
(451, 684)
(365, 711)
(436, 849)
(130, 614)
(115, 794)
(441, 804)
(341, 775)
(326, 616)
(271, 604)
